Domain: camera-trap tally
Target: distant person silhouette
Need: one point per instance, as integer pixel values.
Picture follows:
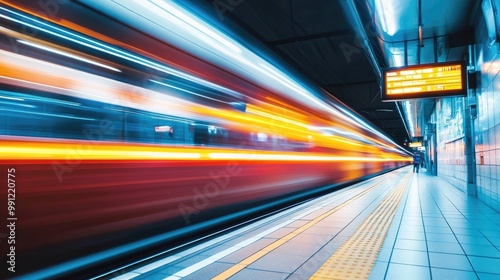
(416, 162)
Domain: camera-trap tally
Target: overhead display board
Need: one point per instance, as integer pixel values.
(415, 144)
(424, 81)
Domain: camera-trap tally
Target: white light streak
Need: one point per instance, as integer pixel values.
(62, 53)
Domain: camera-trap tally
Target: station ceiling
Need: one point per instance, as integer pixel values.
(341, 45)
(321, 40)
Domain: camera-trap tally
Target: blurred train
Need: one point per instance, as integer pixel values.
(114, 149)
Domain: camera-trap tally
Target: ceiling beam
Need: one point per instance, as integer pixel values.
(335, 33)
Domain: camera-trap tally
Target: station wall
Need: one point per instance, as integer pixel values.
(450, 116)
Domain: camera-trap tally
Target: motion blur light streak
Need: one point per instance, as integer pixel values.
(288, 157)
(251, 109)
(27, 149)
(36, 74)
(254, 66)
(17, 104)
(67, 55)
(187, 91)
(203, 31)
(46, 149)
(108, 49)
(106, 159)
(44, 114)
(11, 98)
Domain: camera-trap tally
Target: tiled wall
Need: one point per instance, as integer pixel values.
(450, 141)
(486, 127)
(487, 123)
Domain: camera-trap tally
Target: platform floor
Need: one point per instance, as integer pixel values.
(401, 225)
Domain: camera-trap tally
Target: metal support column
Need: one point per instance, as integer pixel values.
(470, 115)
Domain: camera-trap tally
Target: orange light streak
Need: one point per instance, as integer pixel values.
(27, 148)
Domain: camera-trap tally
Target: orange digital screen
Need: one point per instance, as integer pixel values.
(424, 81)
(415, 144)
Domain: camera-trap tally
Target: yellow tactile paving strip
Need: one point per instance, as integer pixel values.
(356, 257)
(249, 260)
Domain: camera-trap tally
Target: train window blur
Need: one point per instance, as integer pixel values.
(57, 116)
(41, 114)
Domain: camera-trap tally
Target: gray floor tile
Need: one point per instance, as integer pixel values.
(312, 265)
(440, 237)
(487, 276)
(407, 244)
(445, 247)
(378, 271)
(309, 238)
(152, 276)
(467, 231)
(438, 222)
(281, 232)
(252, 274)
(328, 231)
(414, 235)
(208, 271)
(411, 224)
(419, 228)
(297, 224)
(298, 277)
(168, 270)
(473, 240)
(450, 261)
(247, 251)
(491, 233)
(450, 274)
(190, 261)
(214, 250)
(486, 265)
(495, 241)
(407, 272)
(384, 255)
(459, 223)
(410, 257)
(444, 229)
(299, 248)
(481, 251)
(279, 263)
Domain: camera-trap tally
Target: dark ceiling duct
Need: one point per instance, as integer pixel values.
(353, 14)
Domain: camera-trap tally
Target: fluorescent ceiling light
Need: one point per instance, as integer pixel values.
(52, 50)
(386, 14)
(177, 12)
(409, 117)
